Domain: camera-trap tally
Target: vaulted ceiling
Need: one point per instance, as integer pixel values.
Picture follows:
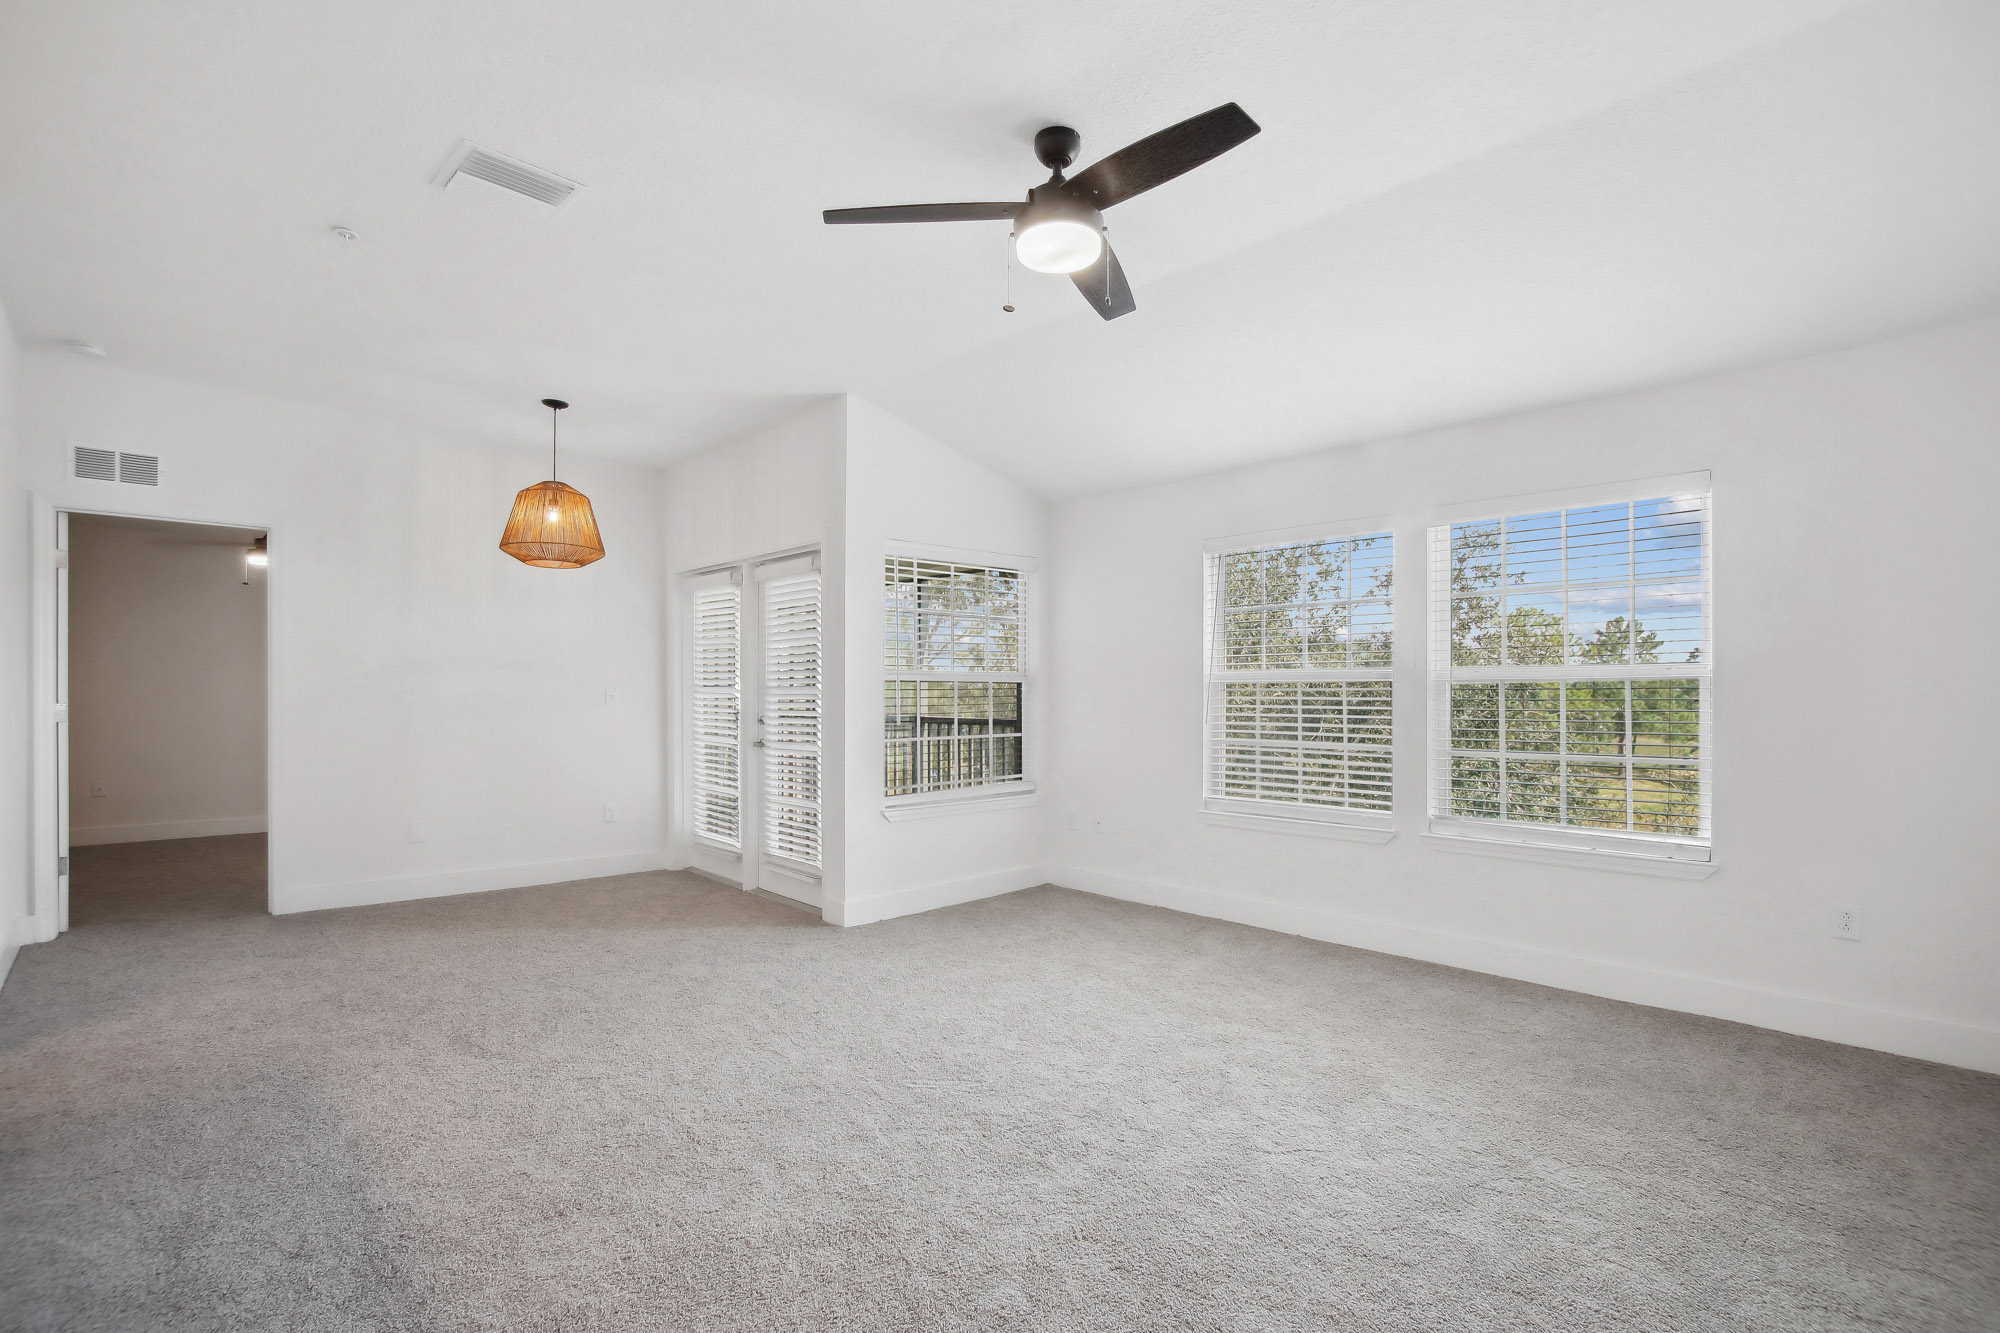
(1455, 209)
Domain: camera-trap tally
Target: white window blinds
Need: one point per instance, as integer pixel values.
(1300, 648)
(1570, 662)
(791, 718)
(955, 659)
(714, 756)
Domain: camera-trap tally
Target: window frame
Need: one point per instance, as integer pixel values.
(1020, 790)
(1676, 856)
(1282, 816)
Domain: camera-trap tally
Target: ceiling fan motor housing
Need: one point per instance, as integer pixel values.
(1057, 146)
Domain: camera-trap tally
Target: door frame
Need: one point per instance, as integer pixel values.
(745, 867)
(48, 885)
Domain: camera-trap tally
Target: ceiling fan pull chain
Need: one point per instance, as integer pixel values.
(1009, 305)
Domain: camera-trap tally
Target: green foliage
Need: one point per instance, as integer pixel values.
(1601, 727)
(1313, 604)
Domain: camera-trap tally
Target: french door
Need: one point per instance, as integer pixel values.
(755, 712)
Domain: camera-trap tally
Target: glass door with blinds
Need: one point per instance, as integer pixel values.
(754, 708)
(715, 708)
(787, 760)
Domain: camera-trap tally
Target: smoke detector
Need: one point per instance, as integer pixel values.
(491, 177)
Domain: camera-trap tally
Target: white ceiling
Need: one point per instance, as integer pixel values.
(1455, 209)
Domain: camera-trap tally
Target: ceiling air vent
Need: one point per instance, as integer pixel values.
(95, 464)
(139, 469)
(472, 170)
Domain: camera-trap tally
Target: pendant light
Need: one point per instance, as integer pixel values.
(552, 526)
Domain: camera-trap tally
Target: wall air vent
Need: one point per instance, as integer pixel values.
(95, 464)
(139, 469)
(472, 170)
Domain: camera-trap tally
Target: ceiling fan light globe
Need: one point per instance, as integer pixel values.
(1059, 245)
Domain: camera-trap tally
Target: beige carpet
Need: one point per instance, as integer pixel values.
(656, 1103)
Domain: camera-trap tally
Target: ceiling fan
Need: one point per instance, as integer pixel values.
(1060, 226)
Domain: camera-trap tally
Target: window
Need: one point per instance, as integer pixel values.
(1301, 642)
(718, 638)
(1570, 664)
(955, 661)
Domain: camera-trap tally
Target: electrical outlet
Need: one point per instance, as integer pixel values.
(1847, 923)
(419, 831)
(98, 789)
(610, 813)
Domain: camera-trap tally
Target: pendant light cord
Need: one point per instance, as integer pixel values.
(553, 414)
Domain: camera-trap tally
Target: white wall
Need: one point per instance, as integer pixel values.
(904, 486)
(15, 881)
(1855, 635)
(777, 490)
(849, 478)
(166, 681)
(417, 674)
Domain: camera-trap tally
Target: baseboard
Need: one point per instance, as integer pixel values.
(445, 883)
(930, 897)
(1914, 1035)
(95, 835)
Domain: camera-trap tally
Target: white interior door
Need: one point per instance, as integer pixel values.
(784, 772)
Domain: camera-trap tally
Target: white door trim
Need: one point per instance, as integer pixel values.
(745, 867)
(48, 914)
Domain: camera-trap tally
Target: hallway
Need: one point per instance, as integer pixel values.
(181, 879)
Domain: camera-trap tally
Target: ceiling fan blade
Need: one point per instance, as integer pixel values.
(1158, 158)
(923, 213)
(1103, 285)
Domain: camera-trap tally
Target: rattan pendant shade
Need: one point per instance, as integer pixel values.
(553, 525)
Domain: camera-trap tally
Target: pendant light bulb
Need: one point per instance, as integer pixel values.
(553, 525)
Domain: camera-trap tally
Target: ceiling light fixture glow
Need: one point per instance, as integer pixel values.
(1058, 233)
(1059, 246)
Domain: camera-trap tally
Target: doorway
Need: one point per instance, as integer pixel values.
(161, 719)
(754, 707)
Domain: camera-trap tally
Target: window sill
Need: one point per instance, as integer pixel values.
(1626, 863)
(1014, 798)
(1310, 828)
